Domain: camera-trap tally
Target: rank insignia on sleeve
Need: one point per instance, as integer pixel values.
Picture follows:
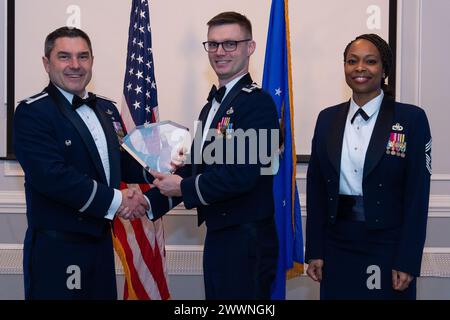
(396, 145)
(428, 156)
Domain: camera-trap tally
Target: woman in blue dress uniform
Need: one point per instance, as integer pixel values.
(368, 185)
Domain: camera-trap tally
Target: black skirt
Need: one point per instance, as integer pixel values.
(358, 263)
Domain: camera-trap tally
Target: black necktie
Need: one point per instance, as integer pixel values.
(216, 94)
(90, 101)
(360, 112)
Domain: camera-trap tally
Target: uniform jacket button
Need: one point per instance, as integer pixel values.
(80, 219)
(224, 214)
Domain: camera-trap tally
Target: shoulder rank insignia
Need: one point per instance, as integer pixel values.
(251, 87)
(34, 98)
(397, 127)
(106, 98)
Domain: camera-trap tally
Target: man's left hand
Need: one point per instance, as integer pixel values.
(168, 184)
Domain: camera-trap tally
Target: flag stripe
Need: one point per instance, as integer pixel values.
(133, 280)
(122, 256)
(126, 116)
(152, 259)
(136, 243)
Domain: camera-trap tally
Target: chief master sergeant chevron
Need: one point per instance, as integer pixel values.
(235, 200)
(69, 150)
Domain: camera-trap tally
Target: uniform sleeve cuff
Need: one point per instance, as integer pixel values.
(115, 204)
(149, 211)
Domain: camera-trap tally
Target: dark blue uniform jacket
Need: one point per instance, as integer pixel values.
(396, 189)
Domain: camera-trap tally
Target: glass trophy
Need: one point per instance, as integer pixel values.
(155, 145)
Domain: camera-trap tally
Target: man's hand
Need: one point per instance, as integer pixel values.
(401, 280)
(178, 158)
(168, 184)
(133, 205)
(314, 270)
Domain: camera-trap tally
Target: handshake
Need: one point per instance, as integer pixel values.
(133, 206)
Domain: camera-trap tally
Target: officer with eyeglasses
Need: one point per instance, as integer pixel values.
(235, 200)
(228, 46)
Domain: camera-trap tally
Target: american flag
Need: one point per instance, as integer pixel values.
(140, 243)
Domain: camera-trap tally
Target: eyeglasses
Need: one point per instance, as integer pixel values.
(228, 46)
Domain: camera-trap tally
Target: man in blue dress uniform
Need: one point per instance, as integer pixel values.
(233, 197)
(66, 141)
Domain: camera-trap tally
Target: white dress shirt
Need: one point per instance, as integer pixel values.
(215, 106)
(95, 128)
(354, 146)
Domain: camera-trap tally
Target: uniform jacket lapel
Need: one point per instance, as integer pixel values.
(66, 109)
(113, 147)
(336, 136)
(198, 136)
(245, 80)
(204, 113)
(380, 135)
